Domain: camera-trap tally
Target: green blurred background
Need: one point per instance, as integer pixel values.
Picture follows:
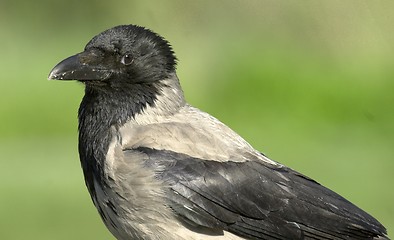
(309, 83)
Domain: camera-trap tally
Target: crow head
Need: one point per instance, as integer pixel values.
(119, 56)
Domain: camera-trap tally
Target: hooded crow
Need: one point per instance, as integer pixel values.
(158, 168)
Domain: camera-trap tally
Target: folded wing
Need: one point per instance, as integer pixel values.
(256, 200)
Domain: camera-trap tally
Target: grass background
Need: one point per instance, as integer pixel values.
(309, 83)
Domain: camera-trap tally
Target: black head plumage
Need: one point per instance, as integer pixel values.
(136, 53)
(122, 55)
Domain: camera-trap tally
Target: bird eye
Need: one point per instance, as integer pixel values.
(127, 59)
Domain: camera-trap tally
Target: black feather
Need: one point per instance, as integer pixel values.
(257, 200)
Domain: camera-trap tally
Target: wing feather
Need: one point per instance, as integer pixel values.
(257, 201)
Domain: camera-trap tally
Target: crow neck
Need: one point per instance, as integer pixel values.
(103, 109)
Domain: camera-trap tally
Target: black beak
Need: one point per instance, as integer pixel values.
(72, 68)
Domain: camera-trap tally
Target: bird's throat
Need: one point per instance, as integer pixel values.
(101, 110)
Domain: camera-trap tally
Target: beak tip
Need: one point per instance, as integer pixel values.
(55, 75)
(52, 76)
(60, 71)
